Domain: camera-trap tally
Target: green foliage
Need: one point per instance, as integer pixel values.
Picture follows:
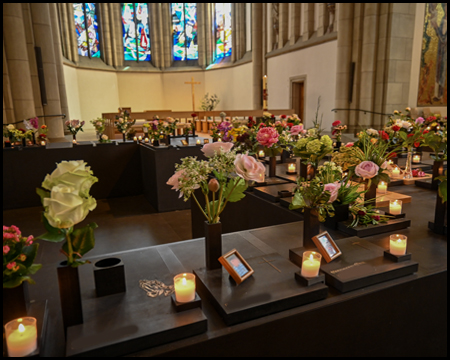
(366, 215)
(82, 241)
(52, 234)
(443, 187)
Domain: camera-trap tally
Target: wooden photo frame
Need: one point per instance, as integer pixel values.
(236, 266)
(205, 141)
(184, 142)
(327, 246)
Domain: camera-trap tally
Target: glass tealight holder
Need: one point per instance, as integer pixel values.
(184, 285)
(21, 336)
(395, 207)
(311, 264)
(397, 244)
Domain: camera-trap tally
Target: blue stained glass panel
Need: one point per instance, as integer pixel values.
(143, 32)
(80, 29)
(179, 38)
(191, 30)
(223, 30)
(92, 24)
(129, 32)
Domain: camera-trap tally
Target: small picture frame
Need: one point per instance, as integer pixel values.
(184, 142)
(205, 141)
(236, 266)
(327, 246)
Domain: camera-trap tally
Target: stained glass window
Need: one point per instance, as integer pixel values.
(86, 26)
(223, 30)
(136, 32)
(184, 28)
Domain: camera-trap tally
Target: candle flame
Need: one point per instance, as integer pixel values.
(21, 328)
(183, 281)
(399, 240)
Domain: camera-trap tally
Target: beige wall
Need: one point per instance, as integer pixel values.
(318, 64)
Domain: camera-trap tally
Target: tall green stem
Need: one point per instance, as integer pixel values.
(226, 201)
(201, 209)
(69, 247)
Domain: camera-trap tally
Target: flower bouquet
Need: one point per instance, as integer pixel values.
(366, 215)
(209, 103)
(437, 140)
(67, 202)
(19, 253)
(123, 122)
(43, 130)
(74, 126)
(33, 125)
(312, 148)
(99, 126)
(336, 130)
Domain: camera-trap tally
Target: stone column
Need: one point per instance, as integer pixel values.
(167, 35)
(241, 21)
(65, 31)
(323, 19)
(268, 15)
(201, 36)
(106, 34)
(344, 56)
(233, 33)
(209, 50)
(117, 32)
(72, 32)
(59, 60)
(43, 36)
(308, 20)
(8, 107)
(155, 36)
(17, 60)
(257, 55)
(283, 24)
(294, 22)
(368, 61)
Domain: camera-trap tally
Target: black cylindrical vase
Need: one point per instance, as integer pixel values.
(440, 217)
(15, 301)
(70, 295)
(155, 142)
(311, 227)
(124, 137)
(371, 194)
(272, 166)
(341, 213)
(213, 245)
(109, 276)
(438, 170)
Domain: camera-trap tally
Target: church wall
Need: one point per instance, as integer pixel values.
(318, 65)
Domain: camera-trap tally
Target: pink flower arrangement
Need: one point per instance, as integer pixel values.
(367, 170)
(296, 129)
(249, 168)
(267, 136)
(420, 120)
(333, 188)
(210, 149)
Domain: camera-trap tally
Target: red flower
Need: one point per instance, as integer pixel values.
(410, 135)
(42, 135)
(417, 144)
(22, 130)
(392, 155)
(273, 116)
(361, 213)
(283, 116)
(334, 132)
(431, 118)
(262, 125)
(376, 217)
(415, 172)
(384, 135)
(396, 128)
(336, 123)
(426, 132)
(290, 124)
(194, 115)
(250, 118)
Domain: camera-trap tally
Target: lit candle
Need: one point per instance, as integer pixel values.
(146, 140)
(135, 138)
(311, 264)
(416, 159)
(261, 154)
(395, 207)
(265, 82)
(43, 143)
(382, 187)
(219, 140)
(74, 141)
(390, 162)
(291, 168)
(198, 142)
(398, 244)
(21, 337)
(396, 172)
(184, 287)
(140, 138)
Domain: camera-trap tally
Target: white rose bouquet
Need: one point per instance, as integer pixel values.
(225, 175)
(66, 203)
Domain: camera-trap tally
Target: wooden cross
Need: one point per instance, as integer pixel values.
(269, 263)
(192, 82)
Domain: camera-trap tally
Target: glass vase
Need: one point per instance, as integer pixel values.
(408, 169)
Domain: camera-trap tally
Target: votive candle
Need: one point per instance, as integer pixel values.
(146, 140)
(382, 187)
(395, 207)
(74, 141)
(184, 285)
(292, 167)
(261, 154)
(43, 143)
(311, 264)
(198, 142)
(21, 336)
(135, 138)
(416, 159)
(397, 244)
(390, 162)
(219, 140)
(140, 138)
(396, 171)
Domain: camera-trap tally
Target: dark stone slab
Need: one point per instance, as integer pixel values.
(363, 231)
(361, 264)
(272, 288)
(196, 303)
(272, 192)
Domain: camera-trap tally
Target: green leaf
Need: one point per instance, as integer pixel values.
(52, 234)
(82, 239)
(238, 192)
(297, 202)
(443, 191)
(17, 281)
(30, 252)
(34, 268)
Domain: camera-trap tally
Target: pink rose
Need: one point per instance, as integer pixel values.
(249, 168)
(420, 120)
(333, 188)
(367, 170)
(349, 144)
(296, 129)
(267, 136)
(210, 149)
(5, 249)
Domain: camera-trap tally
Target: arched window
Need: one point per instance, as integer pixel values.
(223, 30)
(184, 29)
(136, 34)
(86, 26)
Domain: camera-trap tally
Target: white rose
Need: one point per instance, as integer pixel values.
(10, 127)
(104, 137)
(65, 208)
(71, 173)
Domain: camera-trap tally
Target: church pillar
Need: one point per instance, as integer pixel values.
(155, 36)
(65, 31)
(59, 60)
(8, 107)
(368, 61)
(308, 20)
(17, 60)
(283, 24)
(209, 49)
(323, 19)
(265, 32)
(294, 22)
(106, 34)
(43, 36)
(344, 56)
(167, 35)
(257, 55)
(234, 45)
(72, 32)
(270, 38)
(29, 35)
(241, 21)
(115, 38)
(201, 39)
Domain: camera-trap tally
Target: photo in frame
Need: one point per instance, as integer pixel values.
(327, 246)
(205, 141)
(236, 266)
(184, 142)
